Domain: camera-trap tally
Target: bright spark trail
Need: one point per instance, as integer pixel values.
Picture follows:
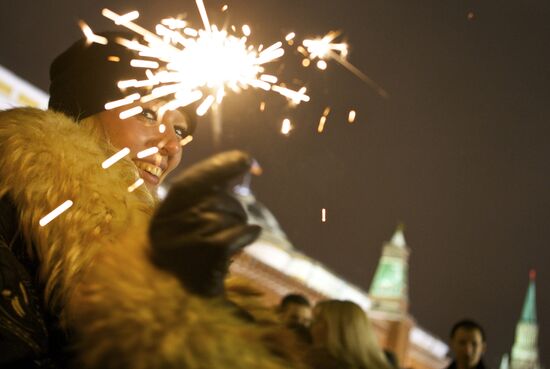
(196, 65)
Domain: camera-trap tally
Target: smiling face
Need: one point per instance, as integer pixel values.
(144, 131)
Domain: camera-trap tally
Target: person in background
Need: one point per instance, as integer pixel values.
(295, 313)
(295, 309)
(468, 344)
(343, 338)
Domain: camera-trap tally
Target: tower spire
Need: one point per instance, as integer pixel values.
(389, 288)
(525, 353)
(398, 238)
(529, 312)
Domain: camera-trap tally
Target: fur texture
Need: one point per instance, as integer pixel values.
(124, 312)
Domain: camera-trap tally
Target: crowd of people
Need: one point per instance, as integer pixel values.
(123, 279)
(340, 335)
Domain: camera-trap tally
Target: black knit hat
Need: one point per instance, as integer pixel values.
(85, 76)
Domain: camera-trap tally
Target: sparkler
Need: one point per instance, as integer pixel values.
(202, 65)
(197, 65)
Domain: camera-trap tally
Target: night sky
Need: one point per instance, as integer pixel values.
(459, 152)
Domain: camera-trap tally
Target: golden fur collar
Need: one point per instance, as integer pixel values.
(46, 159)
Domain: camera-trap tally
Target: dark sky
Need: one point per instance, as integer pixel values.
(459, 153)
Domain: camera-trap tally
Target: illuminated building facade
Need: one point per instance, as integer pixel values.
(15, 91)
(278, 269)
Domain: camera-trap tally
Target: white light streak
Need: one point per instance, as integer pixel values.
(321, 64)
(268, 78)
(127, 83)
(204, 15)
(130, 112)
(125, 101)
(147, 152)
(286, 127)
(138, 63)
(205, 105)
(116, 157)
(290, 36)
(295, 96)
(246, 30)
(55, 213)
(351, 116)
(173, 23)
(323, 119)
(224, 8)
(186, 140)
(191, 32)
(323, 215)
(128, 17)
(90, 35)
(162, 128)
(262, 106)
(135, 185)
(321, 125)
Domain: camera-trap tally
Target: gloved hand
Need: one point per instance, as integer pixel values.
(200, 225)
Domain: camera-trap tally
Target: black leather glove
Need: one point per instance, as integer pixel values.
(200, 225)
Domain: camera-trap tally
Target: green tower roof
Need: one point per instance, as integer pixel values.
(529, 312)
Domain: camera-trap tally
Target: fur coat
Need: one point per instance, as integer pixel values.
(93, 264)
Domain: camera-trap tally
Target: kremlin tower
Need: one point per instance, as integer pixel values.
(389, 288)
(525, 351)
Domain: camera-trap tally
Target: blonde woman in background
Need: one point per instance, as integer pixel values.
(343, 338)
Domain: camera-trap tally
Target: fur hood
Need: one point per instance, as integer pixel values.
(123, 311)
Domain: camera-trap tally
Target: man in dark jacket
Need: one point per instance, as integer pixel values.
(468, 345)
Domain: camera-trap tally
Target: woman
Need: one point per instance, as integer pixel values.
(343, 338)
(116, 281)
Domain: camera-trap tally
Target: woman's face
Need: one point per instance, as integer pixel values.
(144, 131)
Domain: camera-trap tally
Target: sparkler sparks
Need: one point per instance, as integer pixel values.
(147, 152)
(351, 116)
(125, 101)
(324, 48)
(323, 120)
(90, 35)
(286, 127)
(135, 185)
(186, 140)
(130, 112)
(116, 157)
(208, 61)
(55, 213)
(186, 65)
(323, 215)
